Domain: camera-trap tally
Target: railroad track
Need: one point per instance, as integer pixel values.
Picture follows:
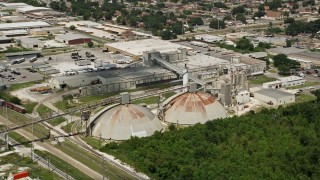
(85, 146)
(41, 161)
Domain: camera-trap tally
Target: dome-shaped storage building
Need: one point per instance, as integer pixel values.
(192, 107)
(121, 121)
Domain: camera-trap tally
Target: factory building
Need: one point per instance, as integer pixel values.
(30, 43)
(114, 80)
(136, 48)
(23, 25)
(72, 39)
(192, 107)
(46, 31)
(274, 96)
(123, 121)
(306, 58)
(24, 54)
(285, 82)
(208, 38)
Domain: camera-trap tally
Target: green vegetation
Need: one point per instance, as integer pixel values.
(261, 79)
(284, 64)
(62, 105)
(152, 100)
(29, 106)
(278, 143)
(306, 84)
(43, 110)
(15, 87)
(56, 121)
(35, 171)
(93, 142)
(15, 49)
(302, 97)
(21, 139)
(7, 97)
(67, 128)
(91, 160)
(17, 118)
(245, 46)
(62, 165)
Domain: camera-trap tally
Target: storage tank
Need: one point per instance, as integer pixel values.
(192, 107)
(121, 121)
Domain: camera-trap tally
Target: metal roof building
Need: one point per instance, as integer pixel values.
(192, 107)
(73, 38)
(23, 25)
(121, 121)
(274, 96)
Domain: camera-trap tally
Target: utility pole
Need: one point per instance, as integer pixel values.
(32, 144)
(7, 133)
(103, 173)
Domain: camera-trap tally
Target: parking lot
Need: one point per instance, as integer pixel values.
(7, 77)
(64, 62)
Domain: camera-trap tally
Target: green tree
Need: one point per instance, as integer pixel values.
(72, 27)
(284, 69)
(90, 44)
(317, 94)
(242, 18)
(238, 10)
(244, 44)
(86, 15)
(261, 7)
(288, 43)
(217, 24)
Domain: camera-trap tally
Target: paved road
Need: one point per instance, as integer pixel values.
(50, 148)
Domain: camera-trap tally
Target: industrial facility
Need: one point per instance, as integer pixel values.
(121, 121)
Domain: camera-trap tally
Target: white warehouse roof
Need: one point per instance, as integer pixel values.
(23, 25)
(32, 8)
(139, 46)
(70, 36)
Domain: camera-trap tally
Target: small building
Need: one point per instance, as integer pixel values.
(243, 96)
(72, 39)
(272, 84)
(292, 81)
(30, 43)
(208, 38)
(274, 96)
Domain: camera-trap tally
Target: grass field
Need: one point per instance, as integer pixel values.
(56, 121)
(67, 128)
(62, 165)
(43, 110)
(93, 142)
(261, 79)
(152, 100)
(35, 171)
(29, 106)
(15, 87)
(21, 139)
(302, 97)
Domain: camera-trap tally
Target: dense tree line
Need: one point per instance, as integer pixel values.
(284, 64)
(30, 2)
(297, 27)
(281, 143)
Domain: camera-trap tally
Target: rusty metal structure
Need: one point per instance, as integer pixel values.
(191, 108)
